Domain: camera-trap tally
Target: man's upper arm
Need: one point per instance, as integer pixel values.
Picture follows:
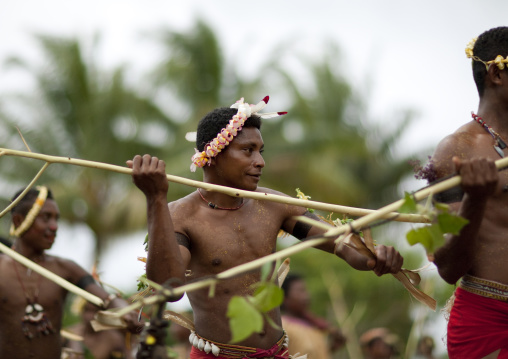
(81, 278)
(185, 247)
(455, 145)
(301, 230)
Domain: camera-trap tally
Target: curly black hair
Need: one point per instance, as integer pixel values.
(215, 121)
(27, 201)
(488, 46)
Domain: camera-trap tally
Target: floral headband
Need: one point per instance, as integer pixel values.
(34, 211)
(226, 135)
(500, 61)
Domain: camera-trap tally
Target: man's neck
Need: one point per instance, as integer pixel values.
(30, 253)
(495, 115)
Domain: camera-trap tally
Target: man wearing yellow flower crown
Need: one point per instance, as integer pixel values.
(208, 232)
(32, 306)
(478, 323)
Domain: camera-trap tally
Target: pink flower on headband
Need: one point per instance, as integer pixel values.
(228, 133)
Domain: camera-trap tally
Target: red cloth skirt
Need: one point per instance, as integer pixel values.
(478, 326)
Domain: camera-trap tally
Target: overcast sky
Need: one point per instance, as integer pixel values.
(410, 52)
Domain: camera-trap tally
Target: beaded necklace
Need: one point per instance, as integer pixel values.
(34, 312)
(500, 144)
(214, 206)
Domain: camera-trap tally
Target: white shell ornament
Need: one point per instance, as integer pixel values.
(215, 350)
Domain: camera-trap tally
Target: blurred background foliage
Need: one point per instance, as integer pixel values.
(327, 146)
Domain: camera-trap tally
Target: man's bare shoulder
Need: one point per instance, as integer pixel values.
(466, 142)
(183, 205)
(64, 267)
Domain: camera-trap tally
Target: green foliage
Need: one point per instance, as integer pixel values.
(432, 236)
(142, 283)
(246, 313)
(83, 110)
(244, 318)
(301, 195)
(409, 205)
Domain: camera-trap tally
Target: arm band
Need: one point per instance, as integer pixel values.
(84, 281)
(451, 195)
(183, 240)
(301, 230)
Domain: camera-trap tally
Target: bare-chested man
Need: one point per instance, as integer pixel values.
(209, 232)
(32, 306)
(478, 324)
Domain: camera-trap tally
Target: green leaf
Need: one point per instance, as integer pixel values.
(270, 322)
(419, 235)
(268, 296)
(409, 205)
(450, 223)
(430, 237)
(142, 284)
(442, 207)
(244, 319)
(437, 237)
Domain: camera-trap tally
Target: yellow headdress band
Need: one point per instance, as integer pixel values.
(500, 61)
(34, 211)
(226, 135)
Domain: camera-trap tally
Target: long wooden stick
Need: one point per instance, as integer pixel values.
(22, 194)
(418, 196)
(51, 276)
(350, 211)
(335, 231)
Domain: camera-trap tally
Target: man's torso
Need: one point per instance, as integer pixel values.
(221, 240)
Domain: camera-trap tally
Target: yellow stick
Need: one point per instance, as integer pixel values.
(334, 231)
(418, 196)
(51, 276)
(350, 211)
(22, 194)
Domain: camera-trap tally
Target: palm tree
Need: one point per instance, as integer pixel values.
(327, 147)
(82, 111)
(326, 142)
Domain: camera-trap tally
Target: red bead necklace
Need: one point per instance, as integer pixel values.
(500, 144)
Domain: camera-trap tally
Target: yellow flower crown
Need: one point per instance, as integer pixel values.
(500, 61)
(34, 211)
(226, 135)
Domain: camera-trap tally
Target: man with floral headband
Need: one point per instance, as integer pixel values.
(208, 232)
(478, 323)
(32, 306)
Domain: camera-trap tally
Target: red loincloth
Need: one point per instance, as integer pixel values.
(273, 352)
(478, 326)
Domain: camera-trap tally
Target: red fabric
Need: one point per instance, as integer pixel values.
(273, 352)
(478, 326)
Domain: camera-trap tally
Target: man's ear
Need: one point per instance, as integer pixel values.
(494, 74)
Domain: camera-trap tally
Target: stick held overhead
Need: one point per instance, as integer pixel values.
(350, 211)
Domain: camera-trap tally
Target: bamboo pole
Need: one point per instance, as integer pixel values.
(418, 196)
(51, 276)
(349, 211)
(22, 194)
(335, 231)
(331, 233)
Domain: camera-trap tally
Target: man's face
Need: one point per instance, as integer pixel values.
(241, 163)
(41, 234)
